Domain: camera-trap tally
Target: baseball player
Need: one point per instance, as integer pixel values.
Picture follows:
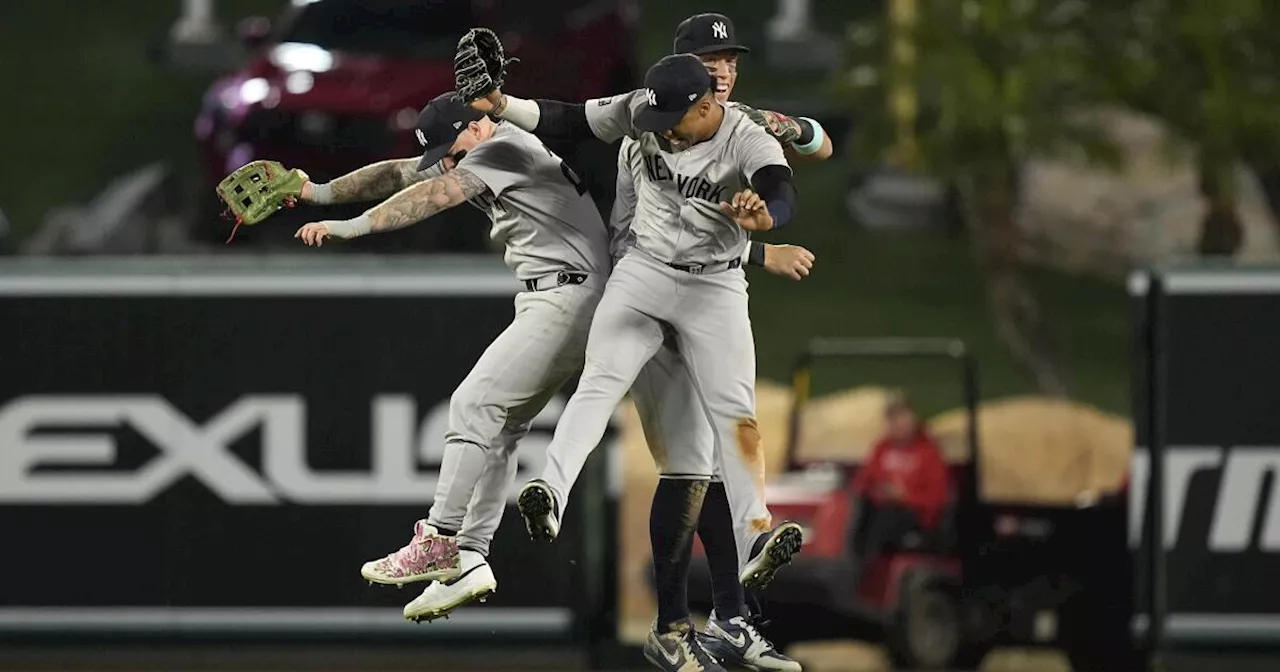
(663, 393)
(710, 174)
(557, 245)
(555, 242)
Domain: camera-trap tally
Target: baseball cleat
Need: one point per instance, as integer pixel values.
(775, 550)
(678, 651)
(738, 642)
(427, 557)
(538, 508)
(440, 599)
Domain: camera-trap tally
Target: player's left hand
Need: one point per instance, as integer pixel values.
(480, 67)
(749, 211)
(791, 261)
(315, 233)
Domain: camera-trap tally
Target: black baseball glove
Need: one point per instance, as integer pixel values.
(480, 65)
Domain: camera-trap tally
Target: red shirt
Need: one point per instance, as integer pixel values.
(916, 467)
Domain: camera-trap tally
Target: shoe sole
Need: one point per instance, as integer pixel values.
(778, 552)
(535, 506)
(728, 656)
(657, 660)
(399, 582)
(477, 595)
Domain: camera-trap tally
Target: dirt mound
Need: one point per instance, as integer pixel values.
(1045, 451)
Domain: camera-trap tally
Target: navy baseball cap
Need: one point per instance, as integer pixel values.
(439, 124)
(672, 86)
(706, 34)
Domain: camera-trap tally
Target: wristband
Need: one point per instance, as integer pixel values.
(815, 144)
(522, 113)
(351, 228)
(755, 253)
(321, 194)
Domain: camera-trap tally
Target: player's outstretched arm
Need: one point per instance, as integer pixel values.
(409, 206)
(556, 120)
(479, 71)
(373, 182)
(802, 137)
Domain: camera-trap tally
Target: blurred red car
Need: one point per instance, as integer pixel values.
(336, 84)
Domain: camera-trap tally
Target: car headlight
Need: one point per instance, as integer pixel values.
(254, 91)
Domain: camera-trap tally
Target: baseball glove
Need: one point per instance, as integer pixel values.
(257, 190)
(480, 64)
(786, 129)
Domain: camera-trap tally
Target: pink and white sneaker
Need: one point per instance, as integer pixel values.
(427, 557)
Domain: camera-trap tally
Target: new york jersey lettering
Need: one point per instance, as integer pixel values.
(677, 216)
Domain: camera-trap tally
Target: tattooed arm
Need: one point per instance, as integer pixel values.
(425, 199)
(409, 206)
(802, 138)
(373, 182)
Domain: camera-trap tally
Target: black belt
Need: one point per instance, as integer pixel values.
(696, 269)
(554, 280)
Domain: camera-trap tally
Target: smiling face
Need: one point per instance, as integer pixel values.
(723, 65)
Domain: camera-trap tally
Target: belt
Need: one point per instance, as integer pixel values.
(696, 269)
(554, 280)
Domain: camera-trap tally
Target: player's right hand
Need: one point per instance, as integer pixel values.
(790, 261)
(749, 211)
(314, 233)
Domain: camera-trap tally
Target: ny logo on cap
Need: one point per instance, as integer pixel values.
(422, 139)
(719, 30)
(652, 96)
(457, 125)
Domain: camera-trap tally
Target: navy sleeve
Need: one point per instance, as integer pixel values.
(562, 121)
(774, 184)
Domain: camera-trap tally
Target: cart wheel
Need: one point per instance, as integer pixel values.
(926, 634)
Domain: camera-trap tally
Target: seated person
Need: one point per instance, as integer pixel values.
(902, 487)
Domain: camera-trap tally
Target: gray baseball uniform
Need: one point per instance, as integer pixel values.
(678, 222)
(666, 402)
(549, 225)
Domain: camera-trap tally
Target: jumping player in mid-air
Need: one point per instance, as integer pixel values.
(710, 174)
(557, 245)
(663, 392)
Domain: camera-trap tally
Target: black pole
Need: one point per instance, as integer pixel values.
(1157, 598)
(599, 599)
(972, 399)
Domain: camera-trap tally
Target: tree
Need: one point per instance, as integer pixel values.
(1208, 70)
(998, 82)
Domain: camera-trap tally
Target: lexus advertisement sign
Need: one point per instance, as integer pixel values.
(217, 450)
(1216, 361)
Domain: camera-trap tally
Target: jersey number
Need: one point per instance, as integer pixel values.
(569, 174)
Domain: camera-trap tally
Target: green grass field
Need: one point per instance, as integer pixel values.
(94, 106)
